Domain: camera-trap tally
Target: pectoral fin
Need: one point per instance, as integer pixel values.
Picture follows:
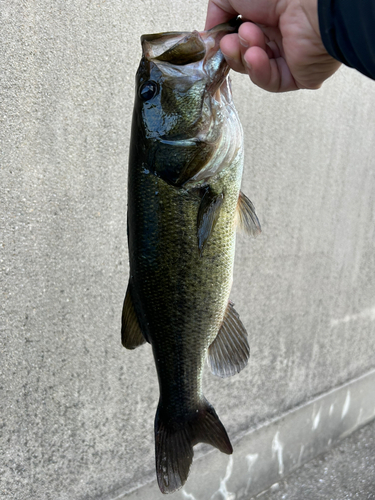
(247, 218)
(208, 215)
(131, 335)
(229, 352)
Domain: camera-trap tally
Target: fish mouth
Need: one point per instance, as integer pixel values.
(197, 48)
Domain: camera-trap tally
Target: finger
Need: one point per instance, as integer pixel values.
(235, 46)
(231, 48)
(251, 35)
(218, 12)
(273, 50)
(259, 11)
(272, 75)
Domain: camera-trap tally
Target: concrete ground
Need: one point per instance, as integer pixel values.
(346, 471)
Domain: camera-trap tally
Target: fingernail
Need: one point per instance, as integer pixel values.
(248, 65)
(243, 42)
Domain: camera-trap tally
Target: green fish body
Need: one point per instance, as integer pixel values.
(184, 203)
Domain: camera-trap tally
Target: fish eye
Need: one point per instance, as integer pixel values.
(148, 90)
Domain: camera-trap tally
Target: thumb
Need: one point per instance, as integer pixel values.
(265, 12)
(219, 11)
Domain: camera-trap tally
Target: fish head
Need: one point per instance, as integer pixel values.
(183, 101)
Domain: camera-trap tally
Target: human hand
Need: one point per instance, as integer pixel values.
(281, 48)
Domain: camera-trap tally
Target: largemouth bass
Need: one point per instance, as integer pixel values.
(184, 203)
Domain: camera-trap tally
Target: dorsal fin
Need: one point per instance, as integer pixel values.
(131, 334)
(229, 352)
(247, 218)
(208, 215)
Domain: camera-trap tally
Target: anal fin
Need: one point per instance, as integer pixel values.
(131, 334)
(247, 218)
(229, 352)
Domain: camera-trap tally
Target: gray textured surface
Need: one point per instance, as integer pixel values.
(346, 471)
(76, 410)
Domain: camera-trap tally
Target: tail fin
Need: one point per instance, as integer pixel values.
(175, 438)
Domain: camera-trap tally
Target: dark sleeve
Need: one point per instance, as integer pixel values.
(347, 28)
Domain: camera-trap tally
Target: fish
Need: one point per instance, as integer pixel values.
(184, 207)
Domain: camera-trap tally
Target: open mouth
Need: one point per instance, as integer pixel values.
(201, 48)
(181, 48)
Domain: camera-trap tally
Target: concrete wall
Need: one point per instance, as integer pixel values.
(76, 409)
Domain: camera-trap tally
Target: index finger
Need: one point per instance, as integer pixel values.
(218, 11)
